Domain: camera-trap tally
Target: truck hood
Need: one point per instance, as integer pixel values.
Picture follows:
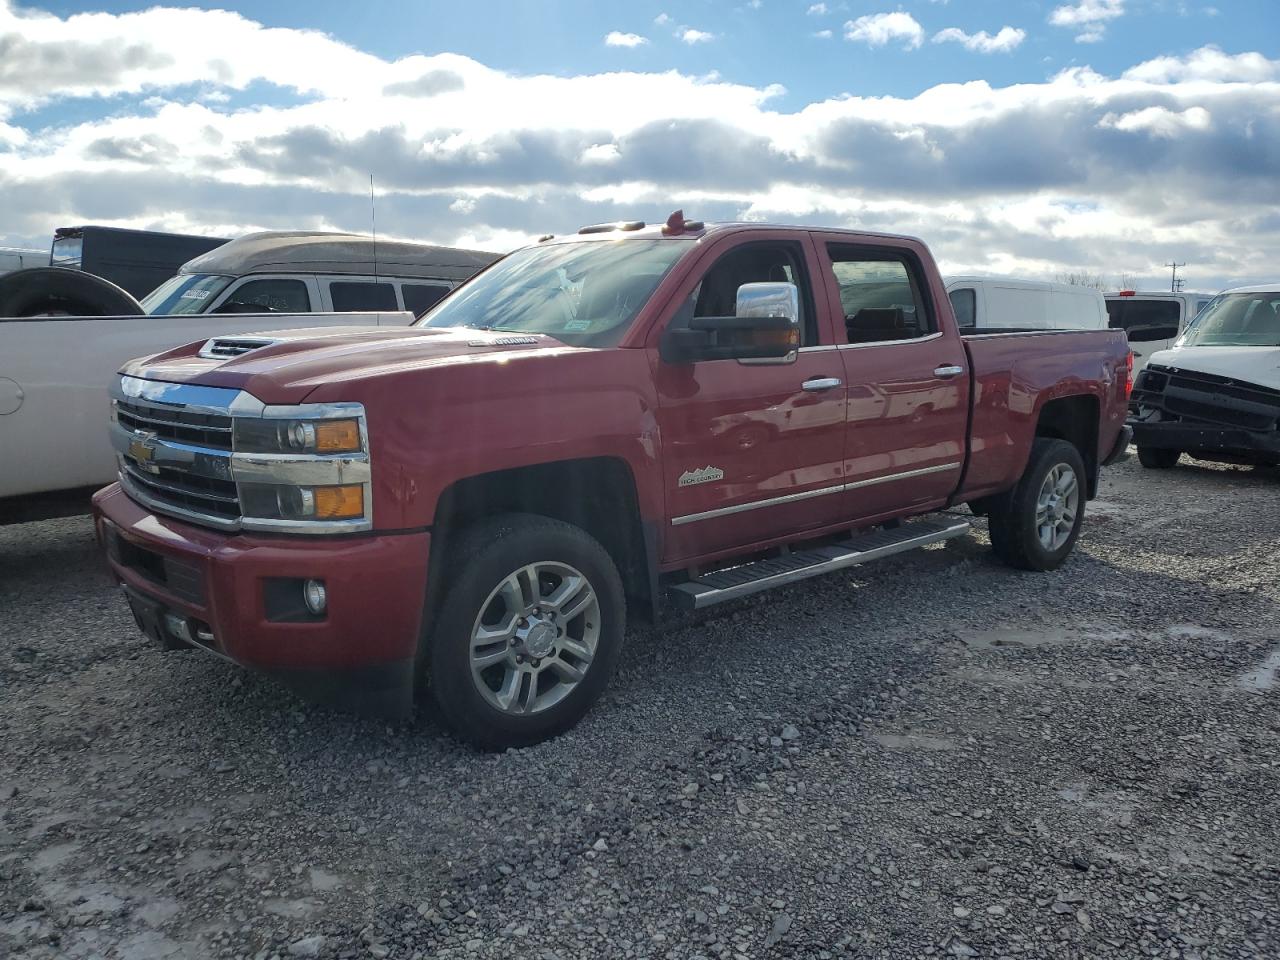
(283, 366)
(1257, 365)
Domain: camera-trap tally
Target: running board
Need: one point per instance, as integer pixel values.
(749, 578)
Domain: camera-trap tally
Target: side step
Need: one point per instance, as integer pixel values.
(760, 575)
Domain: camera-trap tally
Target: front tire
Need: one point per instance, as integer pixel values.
(1035, 525)
(1158, 458)
(529, 633)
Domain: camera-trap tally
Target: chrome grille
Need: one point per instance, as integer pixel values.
(205, 429)
(202, 494)
(175, 452)
(174, 448)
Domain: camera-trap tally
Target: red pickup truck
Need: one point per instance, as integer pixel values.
(470, 507)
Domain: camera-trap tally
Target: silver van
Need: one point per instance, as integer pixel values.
(311, 272)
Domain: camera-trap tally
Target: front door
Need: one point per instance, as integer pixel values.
(750, 451)
(907, 375)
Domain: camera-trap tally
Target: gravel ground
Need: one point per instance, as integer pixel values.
(934, 756)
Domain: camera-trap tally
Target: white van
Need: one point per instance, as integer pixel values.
(1152, 321)
(306, 272)
(1005, 305)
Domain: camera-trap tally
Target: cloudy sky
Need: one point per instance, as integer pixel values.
(1015, 136)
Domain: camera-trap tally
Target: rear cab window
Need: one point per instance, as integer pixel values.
(880, 294)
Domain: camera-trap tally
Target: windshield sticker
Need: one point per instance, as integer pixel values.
(194, 295)
(576, 326)
(705, 475)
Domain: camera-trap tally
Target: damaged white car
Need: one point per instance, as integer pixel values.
(1216, 394)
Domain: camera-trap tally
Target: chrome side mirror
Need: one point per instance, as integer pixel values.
(776, 301)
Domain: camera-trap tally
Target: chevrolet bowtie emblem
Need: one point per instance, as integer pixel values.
(142, 448)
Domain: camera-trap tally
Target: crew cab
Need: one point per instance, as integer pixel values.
(1216, 394)
(596, 425)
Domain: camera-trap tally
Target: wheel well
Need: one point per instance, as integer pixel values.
(597, 495)
(1075, 420)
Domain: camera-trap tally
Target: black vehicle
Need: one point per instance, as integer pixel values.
(135, 260)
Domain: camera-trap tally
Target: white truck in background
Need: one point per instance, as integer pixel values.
(54, 376)
(1006, 305)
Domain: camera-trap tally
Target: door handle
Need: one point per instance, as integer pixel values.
(820, 383)
(947, 371)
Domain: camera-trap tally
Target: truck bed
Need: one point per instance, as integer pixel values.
(1015, 374)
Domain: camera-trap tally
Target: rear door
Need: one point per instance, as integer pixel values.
(907, 376)
(750, 452)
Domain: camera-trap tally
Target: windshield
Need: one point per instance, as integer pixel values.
(1237, 320)
(66, 252)
(585, 294)
(186, 293)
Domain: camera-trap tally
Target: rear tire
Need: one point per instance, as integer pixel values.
(529, 632)
(1035, 525)
(1158, 458)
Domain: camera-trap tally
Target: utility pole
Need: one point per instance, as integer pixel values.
(1175, 284)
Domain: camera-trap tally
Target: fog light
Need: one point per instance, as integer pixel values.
(315, 597)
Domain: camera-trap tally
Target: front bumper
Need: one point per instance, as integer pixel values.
(218, 585)
(1194, 437)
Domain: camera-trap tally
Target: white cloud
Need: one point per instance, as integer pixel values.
(616, 38)
(822, 34)
(691, 36)
(1088, 16)
(817, 10)
(1159, 121)
(1005, 40)
(878, 29)
(1209, 64)
(662, 19)
(1028, 178)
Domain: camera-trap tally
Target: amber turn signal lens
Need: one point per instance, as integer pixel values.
(339, 503)
(337, 436)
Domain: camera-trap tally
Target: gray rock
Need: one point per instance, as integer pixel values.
(307, 946)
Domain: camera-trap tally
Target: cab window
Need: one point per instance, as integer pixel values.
(765, 262)
(879, 295)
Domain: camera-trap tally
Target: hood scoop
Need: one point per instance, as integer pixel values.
(224, 348)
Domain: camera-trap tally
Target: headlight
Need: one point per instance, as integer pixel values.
(303, 468)
(264, 501)
(297, 436)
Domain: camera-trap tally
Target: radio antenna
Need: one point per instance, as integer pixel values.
(373, 222)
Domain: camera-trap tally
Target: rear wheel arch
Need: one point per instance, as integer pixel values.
(1075, 419)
